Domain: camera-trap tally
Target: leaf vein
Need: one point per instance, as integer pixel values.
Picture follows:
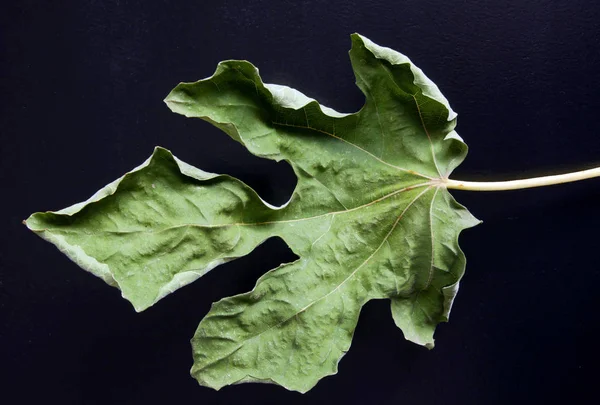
(350, 275)
(354, 145)
(385, 197)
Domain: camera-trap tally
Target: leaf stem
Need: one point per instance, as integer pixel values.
(524, 183)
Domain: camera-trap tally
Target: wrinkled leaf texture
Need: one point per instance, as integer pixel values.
(369, 219)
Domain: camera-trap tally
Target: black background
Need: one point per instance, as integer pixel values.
(82, 84)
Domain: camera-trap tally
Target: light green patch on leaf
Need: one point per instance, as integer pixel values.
(370, 218)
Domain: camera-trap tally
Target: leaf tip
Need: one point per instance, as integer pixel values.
(357, 39)
(160, 149)
(174, 98)
(138, 308)
(161, 153)
(33, 222)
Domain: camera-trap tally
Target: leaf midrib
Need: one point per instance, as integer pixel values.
(167, 228)
(350, 276)
(356, 146)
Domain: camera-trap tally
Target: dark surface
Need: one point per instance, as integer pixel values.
(82, 84)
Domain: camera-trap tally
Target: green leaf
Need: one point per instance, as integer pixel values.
(370, 218)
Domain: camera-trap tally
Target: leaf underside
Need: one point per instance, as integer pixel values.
(369, 219)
